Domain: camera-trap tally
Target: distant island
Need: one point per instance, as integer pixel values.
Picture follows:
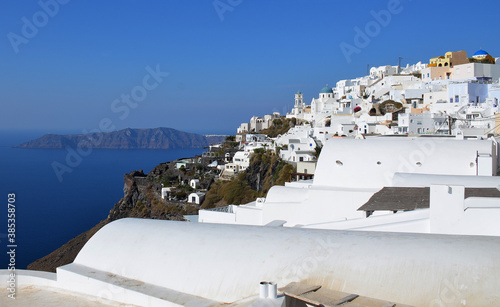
(154, 138)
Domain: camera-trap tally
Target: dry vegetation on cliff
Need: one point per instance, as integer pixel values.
(142, 197)
(265, 171)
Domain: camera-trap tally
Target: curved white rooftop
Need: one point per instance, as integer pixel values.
(225, 263)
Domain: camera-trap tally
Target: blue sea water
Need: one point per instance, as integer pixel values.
(50, 212)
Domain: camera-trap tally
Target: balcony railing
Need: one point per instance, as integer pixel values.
(226, 209)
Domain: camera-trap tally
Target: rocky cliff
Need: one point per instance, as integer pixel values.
(142, 197)
(157, 138)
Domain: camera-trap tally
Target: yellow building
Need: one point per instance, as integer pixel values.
(449, 59)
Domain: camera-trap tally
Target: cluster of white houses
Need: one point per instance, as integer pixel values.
(425, 98)
(452, 95)
(408, 217)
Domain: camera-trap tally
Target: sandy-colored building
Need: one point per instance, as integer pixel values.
(449, 59)
(440, 68)
(476, 70)
(436, 73)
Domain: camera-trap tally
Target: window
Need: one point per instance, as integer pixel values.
(456, 98)
(451, 99)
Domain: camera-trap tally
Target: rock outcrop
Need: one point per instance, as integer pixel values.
(142, 199)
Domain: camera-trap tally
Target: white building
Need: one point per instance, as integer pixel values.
(383, 71)
(196, 198)
(422, 123)
(413, 69)
(256, 124)
(476, 70)
(255, 138)
(350, 172)
(464, 93)
(166, 193)
(194, 183)
(298, 107)
(298, 143)
(298, 151)
(305, 170)
(326, 105)
(241, 161)
(297, 132)
(243, 128)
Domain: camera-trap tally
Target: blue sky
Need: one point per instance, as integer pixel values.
(226, 59)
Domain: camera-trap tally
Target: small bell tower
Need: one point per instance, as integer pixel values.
(299, 100)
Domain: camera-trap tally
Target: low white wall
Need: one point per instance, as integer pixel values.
(451, 214)
(316, 205)
(416, 221)
(426, 180)
(248, 215)
(208, 216)
(29, 278)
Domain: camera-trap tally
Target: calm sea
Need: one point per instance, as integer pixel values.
(50, 212)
